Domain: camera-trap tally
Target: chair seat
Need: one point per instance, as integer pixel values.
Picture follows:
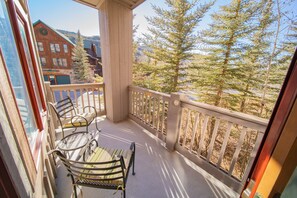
(79, 121)
(111, 177)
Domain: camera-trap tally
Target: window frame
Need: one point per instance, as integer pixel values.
(55, 61)
(65, 46)
(60, 62)
(30, 155)
(40, 46)
(64, 61)
(15, 15)
(52, 48)
(57, 47)
(43, 61)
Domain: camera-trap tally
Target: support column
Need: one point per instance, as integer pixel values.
(116, 43)
(173, 119)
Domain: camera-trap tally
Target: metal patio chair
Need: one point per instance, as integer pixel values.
(104, 168)
(69, 117)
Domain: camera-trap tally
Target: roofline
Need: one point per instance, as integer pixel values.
(57, 32)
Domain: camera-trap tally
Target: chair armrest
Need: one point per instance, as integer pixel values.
(88, 149)
(92, 108)
(79, 122)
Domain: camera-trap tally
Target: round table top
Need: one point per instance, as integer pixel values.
(74, 141)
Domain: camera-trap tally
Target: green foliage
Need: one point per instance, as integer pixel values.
(240, 63)
(252, 67)
(170, 42)
(81, 66)
(225, 40)
(98, 79)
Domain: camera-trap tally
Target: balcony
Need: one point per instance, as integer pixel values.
(184, 148)
(159, 172)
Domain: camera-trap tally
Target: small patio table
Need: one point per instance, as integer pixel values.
(76, 141)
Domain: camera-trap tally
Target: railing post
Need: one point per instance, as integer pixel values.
(173, 120)
(48, 92)
(50, 98)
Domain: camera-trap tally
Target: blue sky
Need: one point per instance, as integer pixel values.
(71, 16)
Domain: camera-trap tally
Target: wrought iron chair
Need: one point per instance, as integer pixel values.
(104, 168)
(69, 117)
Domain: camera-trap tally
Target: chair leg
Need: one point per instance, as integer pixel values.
(97, 125)
(63, 133)
(75, 191)
(133, 171)
(124, 192)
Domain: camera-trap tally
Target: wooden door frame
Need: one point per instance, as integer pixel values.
(275, 126)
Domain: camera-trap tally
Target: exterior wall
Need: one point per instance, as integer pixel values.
(54, 38)
(11, 156)
(24, 160)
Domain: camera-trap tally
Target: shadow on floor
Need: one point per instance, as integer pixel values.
(159, 173)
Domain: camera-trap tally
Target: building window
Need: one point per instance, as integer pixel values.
(57, 47)
(15, 71)
(60, 62)
(64, 62)
(65, 48)
(43, 61)
(40, 46)
(55, 62)
(52, 46)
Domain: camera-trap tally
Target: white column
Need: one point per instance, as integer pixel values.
(116, 44)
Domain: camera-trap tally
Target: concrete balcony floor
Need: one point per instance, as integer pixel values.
(159, 173)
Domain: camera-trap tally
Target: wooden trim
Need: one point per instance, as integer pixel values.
(33, 58)
(76, 86)
(17, 126)
(275, 126)
(148, 91)
(21, 51)
(225, 114)
(283, 160)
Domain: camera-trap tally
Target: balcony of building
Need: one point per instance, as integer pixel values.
(184, 148)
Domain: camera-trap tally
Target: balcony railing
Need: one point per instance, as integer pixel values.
(89, 94)
(150, 109)
(222, 142)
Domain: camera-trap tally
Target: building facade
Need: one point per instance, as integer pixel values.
(55, 54)
(94, 60)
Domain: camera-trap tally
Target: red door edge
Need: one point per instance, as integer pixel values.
(274, 128)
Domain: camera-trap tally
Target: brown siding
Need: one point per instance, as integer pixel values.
(52, 37)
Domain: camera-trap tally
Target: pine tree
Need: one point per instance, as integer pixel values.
(81, 65)
(253, 60)
(171, 39)
(219, 81)
(278, 69)
(289, 45)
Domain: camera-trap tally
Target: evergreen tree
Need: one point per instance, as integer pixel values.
(279, 67)
(81, 65)
(219, 81)
(253, 59)
(171, 39)
(289, 45)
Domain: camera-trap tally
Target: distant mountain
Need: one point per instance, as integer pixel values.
(88, 40)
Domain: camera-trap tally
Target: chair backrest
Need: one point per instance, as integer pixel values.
(95, 174)
(64, 108)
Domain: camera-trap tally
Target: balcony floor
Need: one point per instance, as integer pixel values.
(159, 173)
